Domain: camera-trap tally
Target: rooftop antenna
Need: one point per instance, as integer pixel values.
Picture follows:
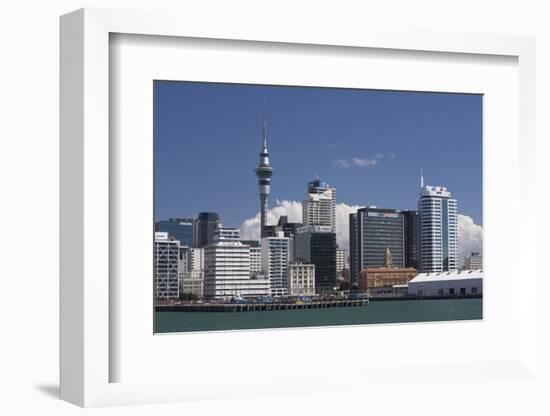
(421, 179)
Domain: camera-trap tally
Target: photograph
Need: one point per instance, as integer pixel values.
(294, 206)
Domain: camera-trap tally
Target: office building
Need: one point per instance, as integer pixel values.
(474, 261)
(319, 206)
(353, 250)
(264, 171)
(412, 235)
(181, 229)
(193, 278)
(372, 231)
(255, 256)
(301, 279)
(275, 259)
(341, 262)
(451, 283)
(317, 245)
(227, 268)
(206, 225)
(166, 267)
(437, 213)
(289, 230)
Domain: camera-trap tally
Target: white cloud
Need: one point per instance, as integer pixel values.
(470, 237)
(342, 223)
(342, 163)
(364, 162)
(355, 161)
(250, 228)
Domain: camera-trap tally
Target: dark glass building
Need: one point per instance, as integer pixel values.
(412, 236)
(317, 245)
(181, 229)
(207, 223)
(353, 250)
(372, 231)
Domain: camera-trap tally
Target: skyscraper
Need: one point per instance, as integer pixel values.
(207, 223)
(372, 232)
(316, 245)
(319, 206)
(410, 225)
(438, 226)
(275, 259)
(264, 171)
(181, 229)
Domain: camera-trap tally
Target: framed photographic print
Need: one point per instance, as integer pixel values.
(278, 242)
(260, 204)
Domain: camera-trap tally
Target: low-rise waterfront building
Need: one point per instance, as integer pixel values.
(473, 262)
(451, 283)
(373, 280)
(301, 279)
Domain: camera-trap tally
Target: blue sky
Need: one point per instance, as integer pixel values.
(369, 145)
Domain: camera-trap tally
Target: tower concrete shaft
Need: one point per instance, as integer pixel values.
(264, 171)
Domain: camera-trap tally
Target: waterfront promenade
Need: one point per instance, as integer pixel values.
(256, 307)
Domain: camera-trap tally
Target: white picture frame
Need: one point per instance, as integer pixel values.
(87, 331)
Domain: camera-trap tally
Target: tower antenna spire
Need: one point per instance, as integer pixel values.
(421, 179)
(265, 128)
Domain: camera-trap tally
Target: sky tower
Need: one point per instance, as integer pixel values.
(264, 172)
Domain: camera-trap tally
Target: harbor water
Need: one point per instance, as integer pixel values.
(377, 312)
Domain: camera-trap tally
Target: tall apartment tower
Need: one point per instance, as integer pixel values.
(166, 261)
(275, 259)
(372, 232)
(438, 229)
(264, 171)
(319, 206)
(206, 225)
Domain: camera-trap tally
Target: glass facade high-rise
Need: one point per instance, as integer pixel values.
(438, 229)
(317, 245)
(412, 235)
(205, 227)
(181, 229)
(372, 232)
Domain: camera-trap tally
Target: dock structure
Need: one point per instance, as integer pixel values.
(257, 307)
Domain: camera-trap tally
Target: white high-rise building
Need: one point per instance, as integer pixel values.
(341, 261)
(255, 260)
(166, 267)
(275, 259)
(319, 206)
(438, 228)
(193, 278)
(227, 268)
(196, 259)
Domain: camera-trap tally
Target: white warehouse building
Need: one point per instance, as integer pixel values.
(453, 283)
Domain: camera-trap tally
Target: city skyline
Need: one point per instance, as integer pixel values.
(378, 168)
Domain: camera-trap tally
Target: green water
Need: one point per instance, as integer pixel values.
(374, 313)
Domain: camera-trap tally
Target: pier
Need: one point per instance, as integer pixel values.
(257, 307)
